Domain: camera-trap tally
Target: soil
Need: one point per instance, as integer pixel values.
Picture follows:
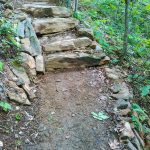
(65, 121)
(60, 119)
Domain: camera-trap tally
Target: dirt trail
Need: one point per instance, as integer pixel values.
(67, 100)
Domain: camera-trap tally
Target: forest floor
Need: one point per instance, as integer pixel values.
(67, 100)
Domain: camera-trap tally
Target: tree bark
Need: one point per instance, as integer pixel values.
(125, 43)
(76, 5)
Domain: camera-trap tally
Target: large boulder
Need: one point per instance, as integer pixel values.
(38, 10)
(54, 25)
(69, 44)
(68, 60)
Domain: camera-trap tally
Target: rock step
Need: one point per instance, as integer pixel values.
(68, 60)
(54, 25)
(40, 10)
(66, 45)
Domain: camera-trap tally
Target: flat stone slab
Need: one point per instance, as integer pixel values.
(69, 60)
(54, 25)
(38, 10)
(40, 65)
(65, 45)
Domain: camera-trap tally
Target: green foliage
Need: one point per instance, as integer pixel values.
(1, 66)
(18, 116)
(142, 115)
(99, 116)
(140, 120)
(9, 46)
(145, 90)
(5, 106)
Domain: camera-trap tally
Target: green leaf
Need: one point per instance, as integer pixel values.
(18, 116)
(141, 113)
(100, 116)
(1, 66)
(145, 90)
(5, 106)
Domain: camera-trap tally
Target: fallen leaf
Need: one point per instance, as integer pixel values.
(100, 116)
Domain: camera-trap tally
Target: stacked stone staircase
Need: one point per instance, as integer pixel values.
(64, 43)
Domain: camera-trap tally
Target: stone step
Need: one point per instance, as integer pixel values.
(54, 25)
(68, 60)
(66, 45)
(40, 10)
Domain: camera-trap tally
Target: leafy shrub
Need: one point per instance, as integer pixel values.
(9, 46)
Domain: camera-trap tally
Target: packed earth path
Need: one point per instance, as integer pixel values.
(73, 84)
(65, 120)
(67, 98)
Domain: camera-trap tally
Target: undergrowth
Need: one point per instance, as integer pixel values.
(9, 45)
(9, 48)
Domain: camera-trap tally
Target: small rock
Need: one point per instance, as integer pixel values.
(139, 138)
(40, 64)
(21, 133)
(73, 115)
(27, 141)
(21, 16)
(25, 41)
(17, 94)
(41, 128)
(67, 136)
(116, 88)
(98, 48)
(1, 144)
(125, 112)
(103, 98)
(20, 82)
(29, 91)
(52, 113)
(28, 63)
(17, 108)
(131, 146)
(7, 12)
(28, 116)
(21, 74)
(122, 104)
(58, 80)
(1, 89)
(86, 32)
(105, 61)
(16, 136)
(126, 132)
(10, 75)
(136, 143)
(127, 119)
(124, 92)
(112, 73)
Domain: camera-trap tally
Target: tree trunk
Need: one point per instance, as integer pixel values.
(125, 44)
(68, 3)
(76, 5)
